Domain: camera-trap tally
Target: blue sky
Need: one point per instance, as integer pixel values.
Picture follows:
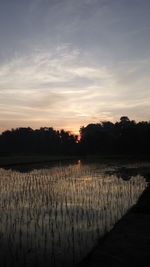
(67, 63)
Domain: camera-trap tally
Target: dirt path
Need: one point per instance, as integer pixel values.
(128, 243)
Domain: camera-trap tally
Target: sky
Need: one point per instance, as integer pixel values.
(68, 63)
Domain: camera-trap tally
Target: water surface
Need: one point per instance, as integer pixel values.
(54, 215)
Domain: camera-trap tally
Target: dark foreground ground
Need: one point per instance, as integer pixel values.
(128, 243)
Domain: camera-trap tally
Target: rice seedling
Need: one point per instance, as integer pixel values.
(53, 217)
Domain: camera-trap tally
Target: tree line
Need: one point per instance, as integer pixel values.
(45, 140)
(123, 137)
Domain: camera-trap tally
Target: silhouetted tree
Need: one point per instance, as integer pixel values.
(125, 136)
(43, 140)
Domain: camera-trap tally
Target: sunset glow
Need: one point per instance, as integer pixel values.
(68, 63)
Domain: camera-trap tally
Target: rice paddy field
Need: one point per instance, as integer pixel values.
(54, 215)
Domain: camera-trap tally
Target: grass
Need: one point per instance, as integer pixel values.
(37, 158)
(29, 159)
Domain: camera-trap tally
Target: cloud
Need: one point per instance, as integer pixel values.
(60, 88)
(56, 70)
(30, 71)
(52, 85)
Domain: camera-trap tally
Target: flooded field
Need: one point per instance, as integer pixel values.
(54, 215)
